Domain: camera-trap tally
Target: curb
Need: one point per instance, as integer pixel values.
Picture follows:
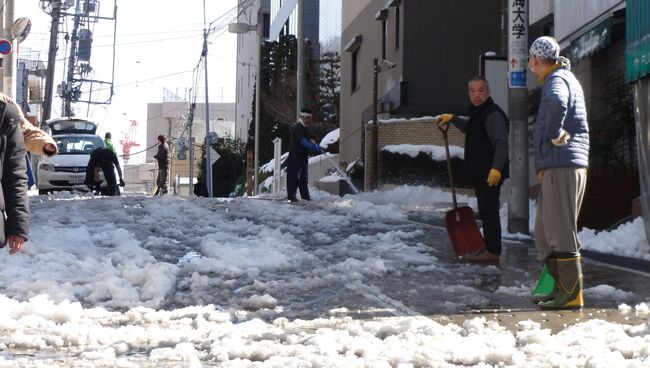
(621, 261)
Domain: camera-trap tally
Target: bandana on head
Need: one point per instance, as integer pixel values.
(546, 48)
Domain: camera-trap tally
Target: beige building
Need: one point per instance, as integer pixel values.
(170, 118)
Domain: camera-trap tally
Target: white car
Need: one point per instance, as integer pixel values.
(76, 139)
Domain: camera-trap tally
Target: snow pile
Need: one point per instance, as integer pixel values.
(437, 153)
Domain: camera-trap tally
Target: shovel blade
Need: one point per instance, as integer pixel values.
(463, 232)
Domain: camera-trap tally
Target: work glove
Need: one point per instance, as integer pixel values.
(49, 149)
(494, 177)
(122, 182)
(562, 139)
(540, 175)
(444, 119)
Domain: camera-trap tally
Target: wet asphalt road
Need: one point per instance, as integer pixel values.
(451, 287)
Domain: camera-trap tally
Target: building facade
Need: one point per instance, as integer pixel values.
(432, 48)
(278, 17)
(247, 59)
(329, 32)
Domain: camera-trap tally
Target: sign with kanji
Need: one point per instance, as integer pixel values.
(517, 43)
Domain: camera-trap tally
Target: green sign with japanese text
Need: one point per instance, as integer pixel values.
(637, 39)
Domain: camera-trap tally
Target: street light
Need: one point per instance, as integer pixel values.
(374, 147)
(240, 28)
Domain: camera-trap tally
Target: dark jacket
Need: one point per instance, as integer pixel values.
(107, 160)
(486, 139)
(299, 143)
(162, 156)
(13, 201)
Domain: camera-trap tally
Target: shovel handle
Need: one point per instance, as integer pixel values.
(451, 177)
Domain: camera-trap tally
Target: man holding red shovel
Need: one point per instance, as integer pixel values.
(486, 160)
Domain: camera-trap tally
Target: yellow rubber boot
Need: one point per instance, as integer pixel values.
(568, 285)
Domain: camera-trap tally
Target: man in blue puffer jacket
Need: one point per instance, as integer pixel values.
(561, 152)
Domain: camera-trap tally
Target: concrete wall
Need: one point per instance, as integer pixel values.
(539, 9)
(419, 132)
(571, 16)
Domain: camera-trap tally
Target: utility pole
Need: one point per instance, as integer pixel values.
(190, 122)
(9, 61)
(72, 61)
(302, 56)
(374, 146)
(518, 113)
(51, 60)
(258, 87)
(208, 145)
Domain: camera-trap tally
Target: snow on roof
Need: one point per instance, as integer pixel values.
(330, 138)
(421, 119)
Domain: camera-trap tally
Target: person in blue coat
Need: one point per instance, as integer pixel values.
(297, 163)
(561, 154)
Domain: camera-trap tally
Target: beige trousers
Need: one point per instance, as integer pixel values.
(558, 206)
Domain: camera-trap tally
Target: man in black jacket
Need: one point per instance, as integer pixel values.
(13, 176)
(297, 162)
(105, 159)
(486, 160)
(162, 156)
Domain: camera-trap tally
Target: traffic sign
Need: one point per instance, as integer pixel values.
(518, 79)
(214, 156)
(5, 47)
(517, 43)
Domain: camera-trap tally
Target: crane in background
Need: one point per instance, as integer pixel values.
(128, 142)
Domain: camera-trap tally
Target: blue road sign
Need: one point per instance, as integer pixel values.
(518, 79)
(5, 47)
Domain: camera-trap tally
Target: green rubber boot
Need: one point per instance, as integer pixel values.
(544, 289)
(568, 291)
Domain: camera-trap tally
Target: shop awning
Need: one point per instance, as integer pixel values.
(637, 39)
(591, 41)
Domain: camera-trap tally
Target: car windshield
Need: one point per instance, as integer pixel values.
(72, 145)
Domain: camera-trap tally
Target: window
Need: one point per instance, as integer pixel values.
(355, 70)
(397, 16)
(266, 23)
(353, 48)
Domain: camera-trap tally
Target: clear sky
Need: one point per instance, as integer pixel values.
(159, 43)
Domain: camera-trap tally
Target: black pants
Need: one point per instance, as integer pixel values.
(488, 211)
(109, 174)
(297, 169)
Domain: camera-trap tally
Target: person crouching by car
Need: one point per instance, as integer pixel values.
(106, 160)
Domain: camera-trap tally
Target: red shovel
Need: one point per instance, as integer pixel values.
(461, 224)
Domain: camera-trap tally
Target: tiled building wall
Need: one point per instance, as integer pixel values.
(419, 132)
